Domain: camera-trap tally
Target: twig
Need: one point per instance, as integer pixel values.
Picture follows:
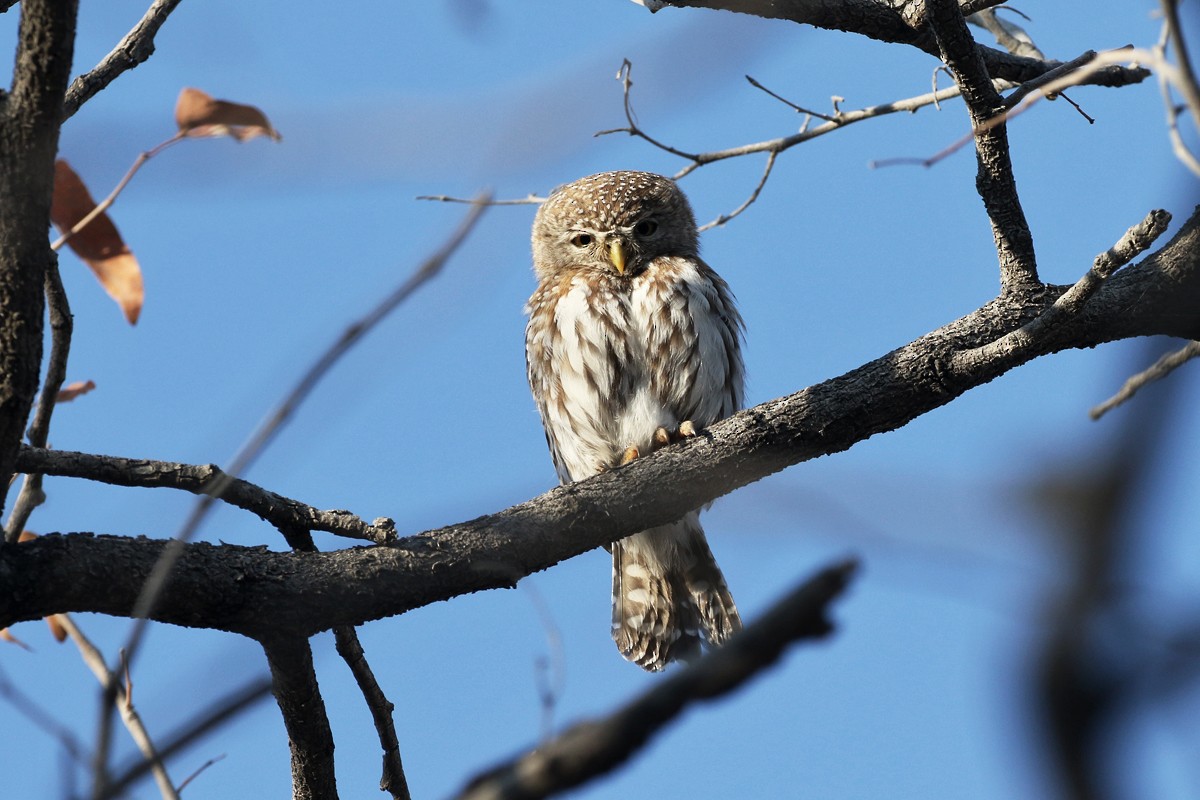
(241, 700)
(839, 120)
(623, 75)
(530, 199)
(593, 748)
(1184, 82)
(1157, 371)
(722, 219)
(61, 326)
(121, 697)
(1011, 37)
(1021, 100)
(282, 512)
(1135, 241)
(195, 774)
(789, 103)
(1187, 76)
(1029, 87)
(120, 187)
(133, 49)
(350, 649)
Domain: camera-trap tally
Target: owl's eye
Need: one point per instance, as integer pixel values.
(646, 227)
(581, 239)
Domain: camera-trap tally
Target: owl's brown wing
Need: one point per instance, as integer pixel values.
(581, 370)
(693, 341)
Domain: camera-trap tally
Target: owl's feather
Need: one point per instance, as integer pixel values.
(614, 354)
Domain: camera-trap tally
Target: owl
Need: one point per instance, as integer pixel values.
(634, 342)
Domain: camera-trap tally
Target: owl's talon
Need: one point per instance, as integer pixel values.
(629, 455)
(663, 437)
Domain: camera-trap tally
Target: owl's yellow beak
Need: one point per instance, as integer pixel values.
(616, 253)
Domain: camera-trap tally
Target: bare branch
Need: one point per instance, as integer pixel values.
(1070, 303)
(593, 748)
(994, 180)
(623, 75)
(282, 512)
(221, 712)
(1186, 84)
(133, 49)
(1010, 36)
(895, 22)
(299, 697)
(1157, 371)
(30, 118)
(61, 326)
(789, 103)
(721, 220)
(107, 202)
(123, 700)
(1025, 89)
(350, 649)
(528, 200)
(196, 772)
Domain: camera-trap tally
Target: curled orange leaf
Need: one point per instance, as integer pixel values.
(198, 114)
(99, 243)
(73, 390)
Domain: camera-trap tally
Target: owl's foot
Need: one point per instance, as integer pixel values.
(663, 437)
(629, 455)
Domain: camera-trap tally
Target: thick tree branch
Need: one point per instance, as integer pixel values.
(1136, 241)
(995, 181)
(592, 748)
(299, 697)
(897, 22)
(256, 592)
(29, 124)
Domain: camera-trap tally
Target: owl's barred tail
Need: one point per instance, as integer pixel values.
(669, 595)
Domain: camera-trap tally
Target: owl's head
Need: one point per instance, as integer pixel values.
(615, 222)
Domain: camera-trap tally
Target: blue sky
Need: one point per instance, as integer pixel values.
(257, 255)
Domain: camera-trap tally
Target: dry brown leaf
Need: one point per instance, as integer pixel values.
(73, 390)
(98, 244)
(198, 114)
(57, 630)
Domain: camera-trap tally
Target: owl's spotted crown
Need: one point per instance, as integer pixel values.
(612, 199)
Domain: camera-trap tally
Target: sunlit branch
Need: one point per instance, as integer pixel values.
(1156, 372)
(135, 48)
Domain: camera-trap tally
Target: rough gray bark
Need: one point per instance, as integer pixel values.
(30, 117)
